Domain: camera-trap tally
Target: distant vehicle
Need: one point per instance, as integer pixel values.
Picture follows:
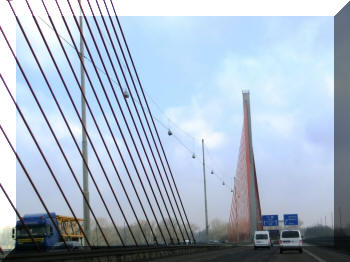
(262, 239)
(291, 240)
(44, 232)
(274, 236)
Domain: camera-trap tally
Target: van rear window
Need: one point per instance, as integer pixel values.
(290, 234)
(261, 236)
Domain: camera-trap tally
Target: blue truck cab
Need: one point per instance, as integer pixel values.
(42, 230)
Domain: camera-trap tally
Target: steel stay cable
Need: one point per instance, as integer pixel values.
(116, 117)
(93, 117)
(160, 122)
(147, 94)
(144, 114)
(199, 160)
(153, 121)
(131, 136)
(159, 108)
(134, 66)
(147, 122)
(160, 192)
(77, 112)
(37, 144)
(72, 46)
(166, 226)
(114, 140)
(132, 116)
(63, 116)
(24, 169)
(151, 117)
(102, 71)
(70, 97)
(210, 167)
(222, 178)
(154, 158)
(18, 214)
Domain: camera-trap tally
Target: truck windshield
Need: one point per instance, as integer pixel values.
(34, 230)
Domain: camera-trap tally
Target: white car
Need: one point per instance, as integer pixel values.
(291, 240)
(262, 239)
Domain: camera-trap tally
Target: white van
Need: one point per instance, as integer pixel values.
(262, 239)
(291, 240)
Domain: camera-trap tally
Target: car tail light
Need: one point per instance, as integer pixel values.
(281, 242)
(300, 242)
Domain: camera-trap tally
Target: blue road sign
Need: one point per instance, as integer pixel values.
(290, 219)
(270, 220)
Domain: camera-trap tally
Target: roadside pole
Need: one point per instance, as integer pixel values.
(205, 197)
(84, 141)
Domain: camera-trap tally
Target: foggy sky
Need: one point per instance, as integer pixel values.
(195, 69)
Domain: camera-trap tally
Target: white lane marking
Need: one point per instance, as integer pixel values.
(314, 256)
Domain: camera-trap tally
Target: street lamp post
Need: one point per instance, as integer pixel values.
(84, 140)
(205, 197)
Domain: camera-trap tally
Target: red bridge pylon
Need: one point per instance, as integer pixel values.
(245, 214)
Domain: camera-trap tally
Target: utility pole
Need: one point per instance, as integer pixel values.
(236, 201)
(124, 230)
(96, 236)
(332, 220)
(205, 197)
(84, 141)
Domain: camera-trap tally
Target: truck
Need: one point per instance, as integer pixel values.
(44, 232)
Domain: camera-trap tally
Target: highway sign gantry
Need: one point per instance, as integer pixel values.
(290, 219)
(270, 220)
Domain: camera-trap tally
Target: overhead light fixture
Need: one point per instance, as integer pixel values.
(126, 93)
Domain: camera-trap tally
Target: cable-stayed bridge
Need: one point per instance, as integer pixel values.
(88, 144)
(113, 101)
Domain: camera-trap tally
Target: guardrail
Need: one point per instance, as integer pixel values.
(118, 254)
(320, 241)
(341, 244)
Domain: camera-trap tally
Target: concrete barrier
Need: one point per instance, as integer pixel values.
(114, 254)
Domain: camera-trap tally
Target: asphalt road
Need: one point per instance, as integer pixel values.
(248, 254)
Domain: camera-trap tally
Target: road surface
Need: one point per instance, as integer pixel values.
(248, 254)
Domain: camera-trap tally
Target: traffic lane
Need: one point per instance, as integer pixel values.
(248, 254)
(326, 254)
(291, 256)
(245, 254)
(219, 255)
